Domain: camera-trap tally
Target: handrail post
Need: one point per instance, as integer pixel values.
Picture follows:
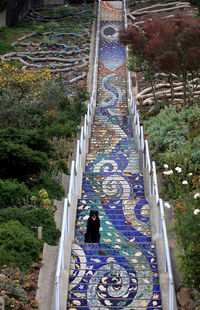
(155, 182)
(141, 138)
(75, 180)
(57, 293)
(71, 183)
(78, 155)
(66, 215)
(148, 163)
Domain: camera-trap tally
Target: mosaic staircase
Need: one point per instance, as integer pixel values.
(121, 271)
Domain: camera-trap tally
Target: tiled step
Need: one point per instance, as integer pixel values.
(98, 273)
(117, 237)
(104, 127)
(115, 111)
(123, 146)
(112, 185)
(139, 306)
(110, 203)
(118, 120)
(115, 163)
(116, 219)
(142, 253)
(102, 141)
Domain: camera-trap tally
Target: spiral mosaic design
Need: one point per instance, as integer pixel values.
(121, 271)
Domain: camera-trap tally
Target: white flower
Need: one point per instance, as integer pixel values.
(166, 166)
(184, 182)
(190, 174)
(168, 172)
(196, 211)
(167, 205)
(178, 169)
(197, 195)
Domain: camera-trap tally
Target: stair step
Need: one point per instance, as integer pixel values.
(116, 219)
(117, 157)
(106, 239)
(143, 288)
(119, 119)
(140, 306)
(110, 203)
(114, 184)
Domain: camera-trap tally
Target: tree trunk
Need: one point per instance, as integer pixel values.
(172, 88)
(184, 88)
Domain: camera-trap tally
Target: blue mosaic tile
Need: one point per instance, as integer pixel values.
(121, 271)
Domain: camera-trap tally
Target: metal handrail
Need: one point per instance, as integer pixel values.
(167, 254)
(75, 166)
(153, 186)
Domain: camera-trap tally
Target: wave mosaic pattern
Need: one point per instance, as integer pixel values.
(121, 271)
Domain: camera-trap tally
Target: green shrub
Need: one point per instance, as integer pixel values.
(19, 161)
(51, 93)
(54, 189)
(12, 193)
(23, 153)
(166, 130)
(5, 47)
(186, 222)
(170, 127)
(32, 219)
(34, 139)
(18, 245)
(61, 130)
(190, 265)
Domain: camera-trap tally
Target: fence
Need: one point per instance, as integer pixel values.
(152, 181)
(75, 166)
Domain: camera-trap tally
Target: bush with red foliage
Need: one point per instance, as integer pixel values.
(172, 45)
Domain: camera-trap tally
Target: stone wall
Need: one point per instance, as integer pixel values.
(3, 18)
(53, 2)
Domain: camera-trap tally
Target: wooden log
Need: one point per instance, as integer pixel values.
(162, 5)
(159, 11)
(80, 77)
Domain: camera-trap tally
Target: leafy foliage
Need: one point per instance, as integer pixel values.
(25, 82)
(18, 245)
(169, 129)
(187, 227)
(12, 192)
(31, 219)
(23, 153)
(170, 45)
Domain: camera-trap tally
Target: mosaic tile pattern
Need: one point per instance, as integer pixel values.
(121, 271)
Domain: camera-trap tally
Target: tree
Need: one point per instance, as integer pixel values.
(23, 153)
(26, 83)
(15, 9)
(171, 45)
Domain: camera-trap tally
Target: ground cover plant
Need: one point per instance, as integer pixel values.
(43, 94)
(169, 104)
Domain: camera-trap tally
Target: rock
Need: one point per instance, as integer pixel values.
(151, 111)
(184, 297)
